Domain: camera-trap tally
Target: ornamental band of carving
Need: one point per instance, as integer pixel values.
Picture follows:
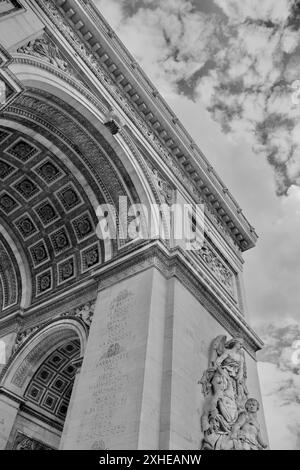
(85, 313)
(90, 59)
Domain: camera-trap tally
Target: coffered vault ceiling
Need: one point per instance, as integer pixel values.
(51, 386)
(49, 192)
(50, 215)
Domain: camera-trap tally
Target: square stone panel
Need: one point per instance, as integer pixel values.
(83, 226)
(27, 188)
(69, 371)
(90, 257)
(7, 203)
(71, 349)
(22, 150)
(49, 402)
(57, 360)
(60, 240)
(44, 282)
(26, 226)
(66, 270)
(45, 375)
(69, 197)
(49, 172)
(59, 385)
(39, 253)
(35, 392)
(47, 213)
(5, 169)
(62, 409)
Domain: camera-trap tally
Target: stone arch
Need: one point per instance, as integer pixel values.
(21, 268)
(9, 274)
(109, 167)
(34, 73)
(39, 380)
(58, 116)
(24, 363)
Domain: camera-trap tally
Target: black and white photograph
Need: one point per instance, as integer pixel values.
(149, 229)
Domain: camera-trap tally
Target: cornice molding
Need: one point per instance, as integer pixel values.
(174, 263)
(29, 409)
(130, 261)
(104, 54)
(47, 309)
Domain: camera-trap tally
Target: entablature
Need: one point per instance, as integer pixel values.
(98, 50)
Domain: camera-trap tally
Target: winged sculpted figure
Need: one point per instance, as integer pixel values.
(225, 389)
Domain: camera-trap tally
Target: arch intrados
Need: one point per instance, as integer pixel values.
(37, 348)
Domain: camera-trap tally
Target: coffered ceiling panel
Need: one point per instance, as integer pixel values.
(49, 213)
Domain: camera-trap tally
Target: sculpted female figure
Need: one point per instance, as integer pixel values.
(220, 411)
(229, 356)
(229, 419)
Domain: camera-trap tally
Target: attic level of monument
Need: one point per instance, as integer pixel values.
(83, 29)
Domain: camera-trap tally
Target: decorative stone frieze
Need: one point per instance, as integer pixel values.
(44, 48)
(83, 312)
(23, 442)
(95, 63)
(218, 268)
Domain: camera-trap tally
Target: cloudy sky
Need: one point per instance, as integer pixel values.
(230, 71)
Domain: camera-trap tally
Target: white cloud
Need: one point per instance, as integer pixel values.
(271, 269)
(112, 10)
(245, 59)
(282, 411)
(267, 10)
(280, 382)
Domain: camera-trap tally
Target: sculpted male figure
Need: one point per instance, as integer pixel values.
(246, 430)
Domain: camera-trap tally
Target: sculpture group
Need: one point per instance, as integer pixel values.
(229, 420)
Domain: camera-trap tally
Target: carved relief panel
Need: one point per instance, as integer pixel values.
(23, 442)
(229, 419)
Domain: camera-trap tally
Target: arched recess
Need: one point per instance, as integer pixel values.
(60, 116)
(41, 376)
(35, 74)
